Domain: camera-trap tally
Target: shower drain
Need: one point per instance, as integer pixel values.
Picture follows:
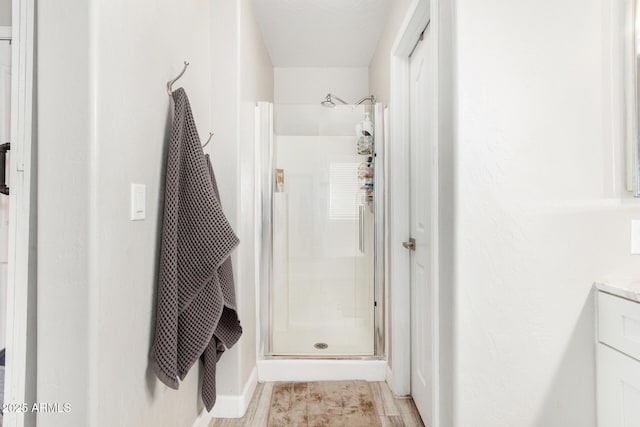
(321, 345)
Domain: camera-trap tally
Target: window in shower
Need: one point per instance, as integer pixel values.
(323, 261)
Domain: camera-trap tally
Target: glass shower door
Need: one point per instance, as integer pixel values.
(322, 299)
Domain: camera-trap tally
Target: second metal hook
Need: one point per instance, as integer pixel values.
(208, 140)
(170, 92)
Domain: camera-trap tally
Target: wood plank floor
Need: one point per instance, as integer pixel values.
(393, 411)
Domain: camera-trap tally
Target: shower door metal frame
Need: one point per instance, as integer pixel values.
(264, 202)
(264, 119)
(380, 203)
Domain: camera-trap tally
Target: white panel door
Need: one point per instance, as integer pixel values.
(618, 389)
(421, 147)
(5, 125)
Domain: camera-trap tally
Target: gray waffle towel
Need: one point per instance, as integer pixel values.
(196, 311)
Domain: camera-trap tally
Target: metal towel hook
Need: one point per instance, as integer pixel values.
(170, 92)
(171, 82)
(208, 140)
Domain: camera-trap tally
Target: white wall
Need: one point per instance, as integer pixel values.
(131, 123)
(105, 129)
(535, 204)
(444, 28)
(242, 74)
(311, 85)
(5, 13)
(97, 274)
(540, 211)
(63, 238)
(379, 67)
(256, 84)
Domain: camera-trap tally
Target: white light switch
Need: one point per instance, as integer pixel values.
(138, 202)
(635, 237)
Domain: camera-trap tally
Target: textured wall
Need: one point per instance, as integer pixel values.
(311, 85)
(328, 33)
(105, 128)
(256, 84)
(132, 118)
(540, 213)
(242, 74)
(379, 67)
(63, 119)
(446, 204)
(536, 206)
(5, 13)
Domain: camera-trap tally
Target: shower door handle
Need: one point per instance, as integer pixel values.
(361, 228)
(411, 244)
(4, 148)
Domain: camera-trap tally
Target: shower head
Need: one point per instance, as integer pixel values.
(329, 101)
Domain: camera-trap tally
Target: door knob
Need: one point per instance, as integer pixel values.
(411, 244)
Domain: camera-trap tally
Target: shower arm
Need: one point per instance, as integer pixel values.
(330, 99)
(332, 96)
(370, 98)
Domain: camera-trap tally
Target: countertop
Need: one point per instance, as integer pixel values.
(625, 288)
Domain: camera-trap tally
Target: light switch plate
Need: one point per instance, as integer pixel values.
(635, 237)
(138, 202)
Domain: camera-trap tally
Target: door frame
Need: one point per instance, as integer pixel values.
(20, 380)
(421, 14)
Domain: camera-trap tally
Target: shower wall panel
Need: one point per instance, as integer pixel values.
(322, 278)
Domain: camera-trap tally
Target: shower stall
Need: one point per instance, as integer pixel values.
(321, 199)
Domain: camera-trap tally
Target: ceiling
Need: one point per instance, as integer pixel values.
(321, 33)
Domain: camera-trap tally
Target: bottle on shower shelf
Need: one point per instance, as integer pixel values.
(365, 145)
(365, 176)
(364, 133)
(367, 124)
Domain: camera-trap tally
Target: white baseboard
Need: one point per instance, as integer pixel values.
(321, 370)
(230, 406)
(389, 374)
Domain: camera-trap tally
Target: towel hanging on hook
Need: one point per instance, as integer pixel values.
(170, 92)
(196, 315)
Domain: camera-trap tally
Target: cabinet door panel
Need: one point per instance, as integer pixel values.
(618, 389)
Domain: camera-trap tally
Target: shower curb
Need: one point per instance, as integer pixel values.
(321, 370)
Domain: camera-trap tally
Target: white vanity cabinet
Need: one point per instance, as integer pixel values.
(618, 358)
